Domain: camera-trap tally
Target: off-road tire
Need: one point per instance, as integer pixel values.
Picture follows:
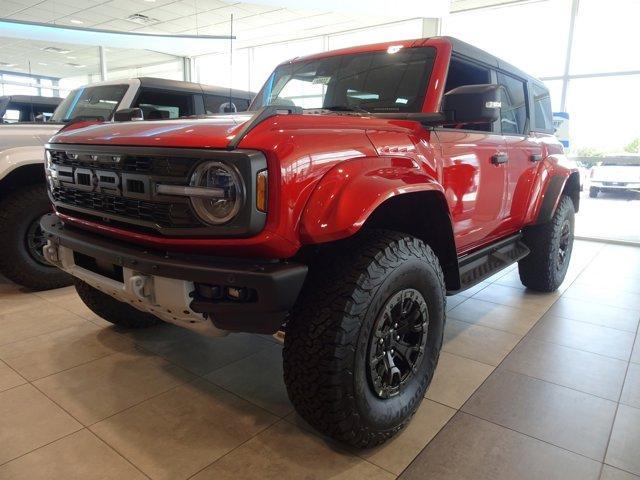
(328, 335)
(19, 210)
(593, 192)
(542, 270)
(112, 310)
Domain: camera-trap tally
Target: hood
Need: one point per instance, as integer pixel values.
(13, 135)
(205, 132)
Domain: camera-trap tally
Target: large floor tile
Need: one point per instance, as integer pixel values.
(609, 342)
(80, 456)
(483, 344)
(619, 283)
(469, 448)
(178, 433)
(631, 390)
(592, 312)
(625, 440)
(9, 378)
(454, 301)
(635, 355)
(518, 298)
(286, 451)
(258, 379)
(584, 371)
(43, 355)
(470, 292)
(605, 295)
(38, 318)
(456, 378)
(195, 352)
(95, 390)
(564, 417)
(612, 473)
(397, 453)
(501, 317)
(28, 420)
(18, 303)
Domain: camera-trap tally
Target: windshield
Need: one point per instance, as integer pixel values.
(392, 80)
(90, 102)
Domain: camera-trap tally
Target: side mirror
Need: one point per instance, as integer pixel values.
(473, 104)
(128, 115)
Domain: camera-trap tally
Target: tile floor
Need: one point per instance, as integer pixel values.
(529, 386)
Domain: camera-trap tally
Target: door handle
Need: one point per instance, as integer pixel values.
(499, 158)
(536, 157)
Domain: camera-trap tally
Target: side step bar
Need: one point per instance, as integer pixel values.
(481, 264)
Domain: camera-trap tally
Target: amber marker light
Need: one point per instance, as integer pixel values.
(261, 191)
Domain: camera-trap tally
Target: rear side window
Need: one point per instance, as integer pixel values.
(219, 104)
(513, 114)
(158, 105)
(542, 108)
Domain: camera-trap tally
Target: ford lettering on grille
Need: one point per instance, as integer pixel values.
(129, 185)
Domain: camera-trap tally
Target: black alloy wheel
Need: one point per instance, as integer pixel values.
(397, 342)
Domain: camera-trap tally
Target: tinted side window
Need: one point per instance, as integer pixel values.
(463, 73)
(542, 107)
(217, 104)
(158, 105)
(513, 114)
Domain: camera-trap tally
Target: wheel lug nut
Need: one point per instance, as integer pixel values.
(398, 337)
(395, 325)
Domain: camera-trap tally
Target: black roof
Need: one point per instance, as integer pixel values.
(468, 50)
(163, 83)
(53, 101)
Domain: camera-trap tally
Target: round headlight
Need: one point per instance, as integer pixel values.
(227, 192)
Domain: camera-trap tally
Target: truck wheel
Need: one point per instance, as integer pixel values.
(363, 341)
(112, 310)
(21, 240)
(593, 192)
(551, 244)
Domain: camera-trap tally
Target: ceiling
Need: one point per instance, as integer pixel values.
(254, 24)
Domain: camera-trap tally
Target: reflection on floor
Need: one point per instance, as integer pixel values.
(529, 386)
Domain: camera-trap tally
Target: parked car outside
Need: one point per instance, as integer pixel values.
(615, 174)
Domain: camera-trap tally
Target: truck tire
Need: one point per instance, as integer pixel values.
(21, 240)
(347, 372)
(593, 192)
(551, 245)
(112, 310)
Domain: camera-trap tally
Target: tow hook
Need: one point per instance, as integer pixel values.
(139, 284)
(50, 252)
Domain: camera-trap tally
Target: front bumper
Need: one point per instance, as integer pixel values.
(165, 284)
(617, 186)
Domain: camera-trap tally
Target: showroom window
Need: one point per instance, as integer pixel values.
(542, 108)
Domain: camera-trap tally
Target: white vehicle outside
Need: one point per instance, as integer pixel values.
(615, 174)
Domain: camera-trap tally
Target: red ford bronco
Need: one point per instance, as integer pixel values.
(364, 186)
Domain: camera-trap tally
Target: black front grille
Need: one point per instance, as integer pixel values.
(167, 215)
(152, 165)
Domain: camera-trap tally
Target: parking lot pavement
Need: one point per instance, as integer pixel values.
(613, 216)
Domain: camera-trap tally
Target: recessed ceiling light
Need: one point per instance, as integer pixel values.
(8, 65)
(42, 63)
(61, 51)
(75, 65)
(77, 22)
(71, 58)
(150, 1)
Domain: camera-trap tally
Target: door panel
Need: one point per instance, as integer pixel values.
(525, 153)
(475, 186)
